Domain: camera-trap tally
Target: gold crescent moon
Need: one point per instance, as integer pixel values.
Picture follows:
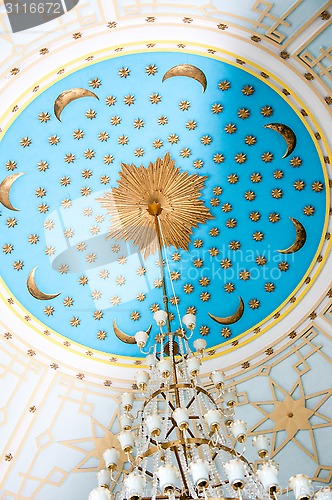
(128, 339)
(67, 96)
(34, 290)
(228, 320)
(187, 70)
(287, 133)
(5, 186)
(300, 238)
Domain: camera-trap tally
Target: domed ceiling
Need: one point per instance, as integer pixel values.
(261, 181)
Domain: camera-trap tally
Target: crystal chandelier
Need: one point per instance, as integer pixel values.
(185, 442)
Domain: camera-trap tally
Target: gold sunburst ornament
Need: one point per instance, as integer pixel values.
(177, 193)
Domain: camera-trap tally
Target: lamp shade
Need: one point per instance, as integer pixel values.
(181, 417)
(301, 485)
(239, 429)
(268, 476)
(126, 422)
(150, 360)
(111, 457)
(142, 379)
(127, 401)
(230, 396)
(104, 478)
(153, 423)
(189, 320)
(126, 439)
(167, 475)
(100, 493)
(261, 443)
(218, 379)
(193, 365)
(200, 344)
(199, 470)
(235, 472)
(160, 317)
(165, 367)
(141, 338)
(134, 484)
(324, 494)
(213, 420)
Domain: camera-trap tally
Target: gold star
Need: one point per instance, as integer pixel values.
(68, 301)
(123, 140)
(157, 143)
(255, 216)
(104, 274)
(234, 245)
(243, 113)
(155, 98)
(42, 166)
(87, 212)
(158, 283)
(103, 136)
(25, 142)
(214, 231)
(49, 310)
(98, 315)
(226, 263)
(115, 248)
(138, 123)
(40, 192)
(18, 265)
(216, 108)
(191, 310)
(141, 271)
(277, 193)
(261, 260)
(230, 128)
(283, 266)
(139, 152)
(69, 158)
(254, 303)
(198, 164)
(256, 177)
(77, 35)
(43, 208)
(162, 120)
(54, 140)
(108, 159)
(120, 280)
(115, 120)
(175, 275)
(198, 263)
(188, 288)
(204, 330)
(224, 85)
(49, 224)
(217, 191)
(267, 157)
(63, 269)
(102, 336)
(258, 236)
(110, 100)
(317, 186)
(90, 114)
(267, 111)
(44, 117)
(94, 230)
(49, 250)
(240, 158)
(249, 195)
(7, 248)
(65, 181)
(151, 69)
(215, 202)
(229, 287)
(185, 152)
(85, 191)
(11, 222)
(104, 179)
(226, 332)
(140, 296)
(175, 300)
(78, 134)
(191, 124)
(299, 185)
(295, 161)
(122, 260)
(124, 72)
(218, 158)
(231, 223)
(11, 165)
(244, 275)
(83, 280)
(198, 243)
(206, 140)
(176, 257)
(173, 139)
(154, 308)
(250, 140)
(204, 281)
(86, 174)
(248, 90)
(129, 100)
(95, 83)
(184, 105)
(269, 287)
(115, 300)
(274, 217)
(75, 321)
(308, 210)
(205, 296)
(91, 257)
(278, 174)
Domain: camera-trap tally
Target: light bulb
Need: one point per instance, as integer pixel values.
(239, 429)
(193, 364)
(167, 475)
(261, 444)
(218, 379)
(268, 476)
(134, 484)
(127, 401)
(111, 457)
(235, 472)
(126, 422)
(104, 478)
(199, 470)
(213, 420)
(181, 417)
(189, 320)
(142, 379)
(150, 360)
(165, 367)
(301, 485)
(230, 396)
(126, 439)
(160, 317)
(141, 339)
(153, 423)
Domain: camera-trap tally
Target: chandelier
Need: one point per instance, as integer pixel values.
(185, 442)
